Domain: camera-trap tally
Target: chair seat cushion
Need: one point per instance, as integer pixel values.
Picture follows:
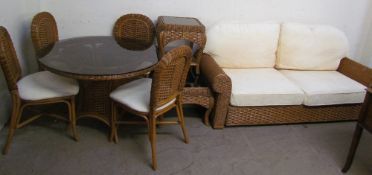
(136, 95)
(262, 87)
(326, 87)
(46, 85)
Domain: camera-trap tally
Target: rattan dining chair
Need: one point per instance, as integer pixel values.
(44, 33)
(151, 98)
(134, 31)
(36, 89)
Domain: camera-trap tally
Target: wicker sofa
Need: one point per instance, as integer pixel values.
(264, 74)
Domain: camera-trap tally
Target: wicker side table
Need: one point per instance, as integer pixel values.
(201, 96)
(170, 28)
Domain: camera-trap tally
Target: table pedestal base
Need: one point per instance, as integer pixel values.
(94, 99)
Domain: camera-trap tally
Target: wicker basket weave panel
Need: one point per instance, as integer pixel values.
(168, 36)
(134, 31)
(94, 96)
(267, 115)
(215, 76)
(44, 33)
(169, 76)
(198, 95)
(9, 61)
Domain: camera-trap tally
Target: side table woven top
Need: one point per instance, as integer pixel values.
(183, 24)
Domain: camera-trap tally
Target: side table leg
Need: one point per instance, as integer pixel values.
(206, 116)
(356, 138)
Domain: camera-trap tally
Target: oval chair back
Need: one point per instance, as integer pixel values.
(8, 60)
(134, 31)
(44, 33)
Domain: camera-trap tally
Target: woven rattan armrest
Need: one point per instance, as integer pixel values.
(356, 71)
(220, 85)
(214, 74)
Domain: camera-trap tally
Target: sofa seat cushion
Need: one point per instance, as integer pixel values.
(262, 87)
(45, 85)
(310, 47)
(243, 45)
(326, 87)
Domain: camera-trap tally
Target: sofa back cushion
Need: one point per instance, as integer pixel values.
(243, 45)
(310, 47)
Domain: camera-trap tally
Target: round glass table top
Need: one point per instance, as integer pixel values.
(96, 56)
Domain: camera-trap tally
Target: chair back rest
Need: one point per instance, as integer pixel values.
(44, 33)
(169, 76)
(8, 60)
(134, 31)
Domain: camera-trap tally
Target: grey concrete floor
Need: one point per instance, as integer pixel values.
(45, 148)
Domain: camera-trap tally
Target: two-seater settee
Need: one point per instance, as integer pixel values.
(267, 73)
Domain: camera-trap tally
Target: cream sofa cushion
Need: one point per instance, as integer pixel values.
(327, 87)
(310, 47)
(45, 85)
(136, 95)
(242, 45)
(262, 87)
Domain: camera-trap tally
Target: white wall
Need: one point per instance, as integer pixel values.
(96, 17)
(16, 15)
(366, 40)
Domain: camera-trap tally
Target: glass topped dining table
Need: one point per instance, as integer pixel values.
(100, 65)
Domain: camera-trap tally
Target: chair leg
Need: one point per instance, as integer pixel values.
(72, 110)
(114, 134)
(354, 144)
(182, 121)
(13, 126)
(152, 134)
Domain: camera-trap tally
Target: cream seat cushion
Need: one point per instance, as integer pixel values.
(262, 87)
(310, 47)
(46, 85)
(327, 87)
(136, 95)
(243, 45)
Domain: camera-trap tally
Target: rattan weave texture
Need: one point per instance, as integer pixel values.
(134, 31)
(44, 33)
(8, 60)
(201, 96)
(290, 114)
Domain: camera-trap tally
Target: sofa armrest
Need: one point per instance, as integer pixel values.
(214, 74)
(220, 85)
(356, 71)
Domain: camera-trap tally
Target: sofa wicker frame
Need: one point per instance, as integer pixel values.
(225, 114)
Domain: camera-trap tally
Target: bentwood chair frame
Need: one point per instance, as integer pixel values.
(12, 71)
(44, 33)
(134, 31)
(169, 78)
